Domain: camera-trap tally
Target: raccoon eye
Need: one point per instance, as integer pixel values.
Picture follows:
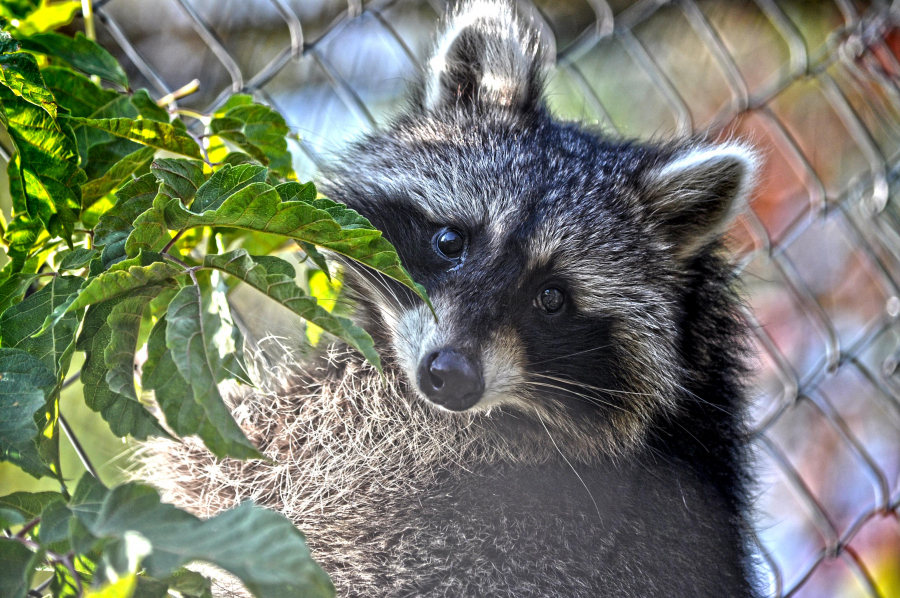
(551, 300)
(449, 243)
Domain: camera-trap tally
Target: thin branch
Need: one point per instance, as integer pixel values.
(87, 11)
(28, 527)
(183, 91)
(171, 242)
(71, 380)
(79, 450)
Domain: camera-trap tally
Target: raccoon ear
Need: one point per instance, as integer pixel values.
(487, 57)
(697, 192)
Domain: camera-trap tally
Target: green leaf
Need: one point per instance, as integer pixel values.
(48, 160)
(104, 155)
(17, 565)
(123, 277)
(180, 178)
(189, 342)
(124, 415)
(21, 507)
(55, 523)
(77, 93)
(148, 108)
(224, 183)
(124, 322)
(76, 258)
(275, 278)
(116, 175)
(147, 132)
(317, 258)
(82, 53)
(18, 9)
(20, 73)
(23, 230)
(50, 15)
(259, 131)
(13, 288)
(133, 199)
(24, 381)
(324, 223)
(260, 547)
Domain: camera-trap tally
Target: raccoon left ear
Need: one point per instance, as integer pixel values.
(487, 57)
(696, 194)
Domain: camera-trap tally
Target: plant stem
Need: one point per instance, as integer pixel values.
(179, 93)
(172, 241)
(79, 450)
(87, 11)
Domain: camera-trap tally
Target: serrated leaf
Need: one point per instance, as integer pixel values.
(148, 108)
(189, 342)
(17, 565)
(124, 415)
(21, 507)
(123, 277)
(82, 53)
(259, 131)
(147, 132)
(20, 73)
(124, 322)
(275, 278)
(76, 258)
(180, 178)
(133, 199)
(259, 546)
(48, 163)
(24, 383)
(224, 183)
(259, 207)
(116, 175)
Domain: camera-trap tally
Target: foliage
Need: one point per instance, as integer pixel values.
(129, 227)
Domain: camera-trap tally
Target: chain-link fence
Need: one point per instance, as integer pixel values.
(816, 85)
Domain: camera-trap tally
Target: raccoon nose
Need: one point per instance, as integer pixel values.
(451, 380)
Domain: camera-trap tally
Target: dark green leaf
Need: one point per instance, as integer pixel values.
(224, 183)
(77, 258)
(82, 53)
(260, 547)
(119, 172)
(259, 131)
(103, 156)
(18, 9)
(21, 507)
(13, 288)
(180, 178)
(148, 108)
(317, 258)
(133, 199)
(275, 278)
(17, 565)
(54, 523)
(77, 93)
(259, 207)
(20, 73)
(147, 132)
(190, 584)
(24, 382)
(190, 345)
(124, 322)
(148, 587)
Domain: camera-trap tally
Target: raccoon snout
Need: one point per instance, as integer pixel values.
(450, 379)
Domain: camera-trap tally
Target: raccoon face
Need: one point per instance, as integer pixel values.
(556, 260)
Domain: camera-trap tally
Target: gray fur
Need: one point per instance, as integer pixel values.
(605, 456)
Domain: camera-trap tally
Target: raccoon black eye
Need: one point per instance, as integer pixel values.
(551, 300)
(450, 243)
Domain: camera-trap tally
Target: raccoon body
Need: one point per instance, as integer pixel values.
(570, 424)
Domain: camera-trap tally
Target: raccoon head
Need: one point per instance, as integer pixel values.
(556, 259)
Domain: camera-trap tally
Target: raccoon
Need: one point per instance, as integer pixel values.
(571, 422)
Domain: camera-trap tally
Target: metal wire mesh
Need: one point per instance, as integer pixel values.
(814, 84)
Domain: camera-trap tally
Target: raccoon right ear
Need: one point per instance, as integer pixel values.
(695, 195)
(486, 58)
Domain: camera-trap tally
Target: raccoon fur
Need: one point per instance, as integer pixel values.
(571, 423)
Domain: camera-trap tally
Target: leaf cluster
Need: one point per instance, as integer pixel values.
(129, 227)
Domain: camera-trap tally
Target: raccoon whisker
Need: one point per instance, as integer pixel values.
(587, 398)
(572, 467)
(589, 387)
(572, 354)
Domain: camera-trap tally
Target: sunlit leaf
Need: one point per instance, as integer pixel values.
(180, 178)
(116, 175)
(133, 199)
(226, 182)
(123, 277)
(76, 258)
(259, 131)
(148, 108)
(20, 73)
(147, 132)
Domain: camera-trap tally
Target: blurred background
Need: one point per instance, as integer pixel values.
(814, 84)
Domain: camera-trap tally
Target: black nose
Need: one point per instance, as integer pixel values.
(451, 380)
